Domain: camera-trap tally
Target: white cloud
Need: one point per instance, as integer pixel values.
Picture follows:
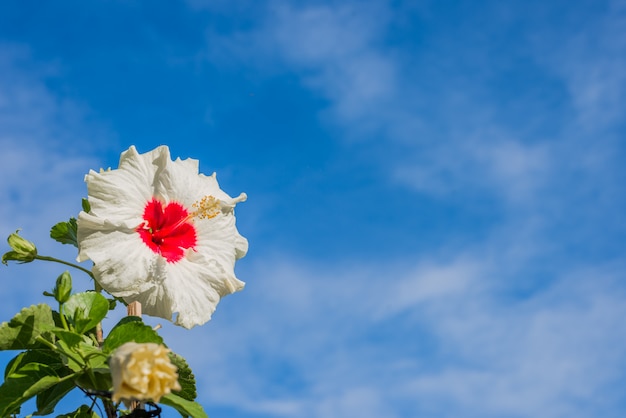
(444, 137)
(432, 281)
(592, 63)
(445, 336)
(555, 355)
(443, 128)
(336, 50)
(42, 166)
(439, 335)
(481, 162)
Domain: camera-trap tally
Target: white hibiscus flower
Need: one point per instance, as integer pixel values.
(162, 234)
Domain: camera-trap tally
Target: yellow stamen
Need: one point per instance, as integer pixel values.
(206, 208)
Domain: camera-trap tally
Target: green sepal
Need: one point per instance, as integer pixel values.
(183, 406)
(22, 330)
(85, 310)
(24, 251)
(65, 232)
(83, 412)
(130, 328)
(186, 378)
(86, 205)
(63, 287)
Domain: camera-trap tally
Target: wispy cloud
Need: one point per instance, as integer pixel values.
(534, 358)
(42, 165)
(524, 321)
(480, 163)
(338, 50)
(441, 337)
(515, 325)
(438, 112)
(591, 62)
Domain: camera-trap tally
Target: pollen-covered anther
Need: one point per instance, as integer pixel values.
(206, 208)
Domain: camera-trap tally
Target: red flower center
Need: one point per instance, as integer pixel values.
(166, 229)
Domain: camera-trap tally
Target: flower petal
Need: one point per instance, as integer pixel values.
(153, 238)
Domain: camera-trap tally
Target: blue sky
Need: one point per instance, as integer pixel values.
(436, 204)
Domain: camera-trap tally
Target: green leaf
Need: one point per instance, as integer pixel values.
(95, 358)
(24, 383)
(85, 310)
(49, 398)
(20, 333)
(65, 232)
(43, 356)
(86, 205)
(83, 412)
(186, 379)
(184, 407)
(130, 329)
(70, 358)
(100, 381)
(83, 355)
(70, 338)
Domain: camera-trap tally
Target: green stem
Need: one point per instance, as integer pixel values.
(56, 260)
(46, 342)
(62, 315)
(57, 349)
(92, 377)
(68, 377)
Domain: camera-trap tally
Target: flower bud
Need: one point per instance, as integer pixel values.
(142, 372)
(24, 251)
(63, 287)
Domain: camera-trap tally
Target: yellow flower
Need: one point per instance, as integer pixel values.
(142, 372)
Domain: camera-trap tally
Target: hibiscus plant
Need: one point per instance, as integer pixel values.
(160, 236)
